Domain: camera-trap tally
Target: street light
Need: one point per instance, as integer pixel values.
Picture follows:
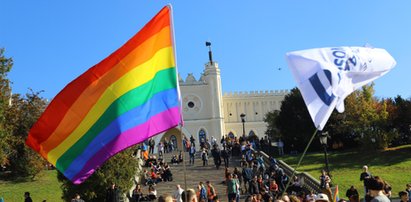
(242, 115)
(323, 140)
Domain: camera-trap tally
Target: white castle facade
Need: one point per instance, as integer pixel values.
(208, 113)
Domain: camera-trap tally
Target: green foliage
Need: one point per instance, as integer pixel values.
(119, 169)
(17, 115)
(401, 113)
(20, 116)
(271, 118)
(5, 92)
(368, 119)
(295, 122)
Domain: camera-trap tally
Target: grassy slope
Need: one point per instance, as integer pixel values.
(392, 165)
(44, 187)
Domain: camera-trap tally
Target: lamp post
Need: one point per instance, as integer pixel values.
(242, 115)
(323, 140)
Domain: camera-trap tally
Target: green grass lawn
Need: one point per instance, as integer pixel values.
(44, 187)
(393, 165)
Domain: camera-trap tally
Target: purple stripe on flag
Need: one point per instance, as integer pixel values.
(157, 124)
(160, 102)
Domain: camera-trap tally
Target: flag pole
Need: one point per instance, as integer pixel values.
(179, 96)
(184, 163)
(299, 161)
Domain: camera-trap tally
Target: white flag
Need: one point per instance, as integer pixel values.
(326, 76)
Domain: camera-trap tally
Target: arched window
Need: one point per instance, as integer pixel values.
(202, 136)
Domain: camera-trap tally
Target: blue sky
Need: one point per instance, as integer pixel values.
(53, 42)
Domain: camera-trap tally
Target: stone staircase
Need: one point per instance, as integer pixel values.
(194, 174)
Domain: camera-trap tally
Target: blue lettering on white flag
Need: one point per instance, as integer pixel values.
(320, 89)
(342, 61)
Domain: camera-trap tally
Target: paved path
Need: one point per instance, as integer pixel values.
(194, 174)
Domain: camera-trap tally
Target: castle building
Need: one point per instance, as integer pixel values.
(208, 113)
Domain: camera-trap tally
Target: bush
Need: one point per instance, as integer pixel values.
(119, 169)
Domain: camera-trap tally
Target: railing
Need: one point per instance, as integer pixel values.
(308, 182)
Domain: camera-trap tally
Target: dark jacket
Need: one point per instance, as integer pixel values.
(112, 195)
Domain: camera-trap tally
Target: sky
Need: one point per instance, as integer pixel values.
(53, 42)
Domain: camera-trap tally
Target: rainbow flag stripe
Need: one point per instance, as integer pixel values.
(336, 196)
(123, 100)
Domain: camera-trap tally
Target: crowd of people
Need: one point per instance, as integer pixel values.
(253, 180)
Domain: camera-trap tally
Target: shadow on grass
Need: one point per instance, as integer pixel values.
(355, 158)
(7, 177)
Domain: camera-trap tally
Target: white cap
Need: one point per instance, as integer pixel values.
(322, 197)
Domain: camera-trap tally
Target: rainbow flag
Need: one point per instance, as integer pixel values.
(336, 196)
(128, 97)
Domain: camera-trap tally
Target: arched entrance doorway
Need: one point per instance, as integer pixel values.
(174, 135)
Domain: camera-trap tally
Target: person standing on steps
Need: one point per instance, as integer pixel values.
(215, 152)
(204, 157)
(192, 153)
(225, 154)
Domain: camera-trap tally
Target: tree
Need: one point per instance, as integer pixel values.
(401, 119)
(5, 93)
(17, 115)
(294, 122)
(120, 169)
(21, 115)
(366, 120)
(271, 118)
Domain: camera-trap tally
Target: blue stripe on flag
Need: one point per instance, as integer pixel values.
(319, 87)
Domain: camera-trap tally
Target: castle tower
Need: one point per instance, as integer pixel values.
(208, 113)
(202, 103)
(213, 79)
